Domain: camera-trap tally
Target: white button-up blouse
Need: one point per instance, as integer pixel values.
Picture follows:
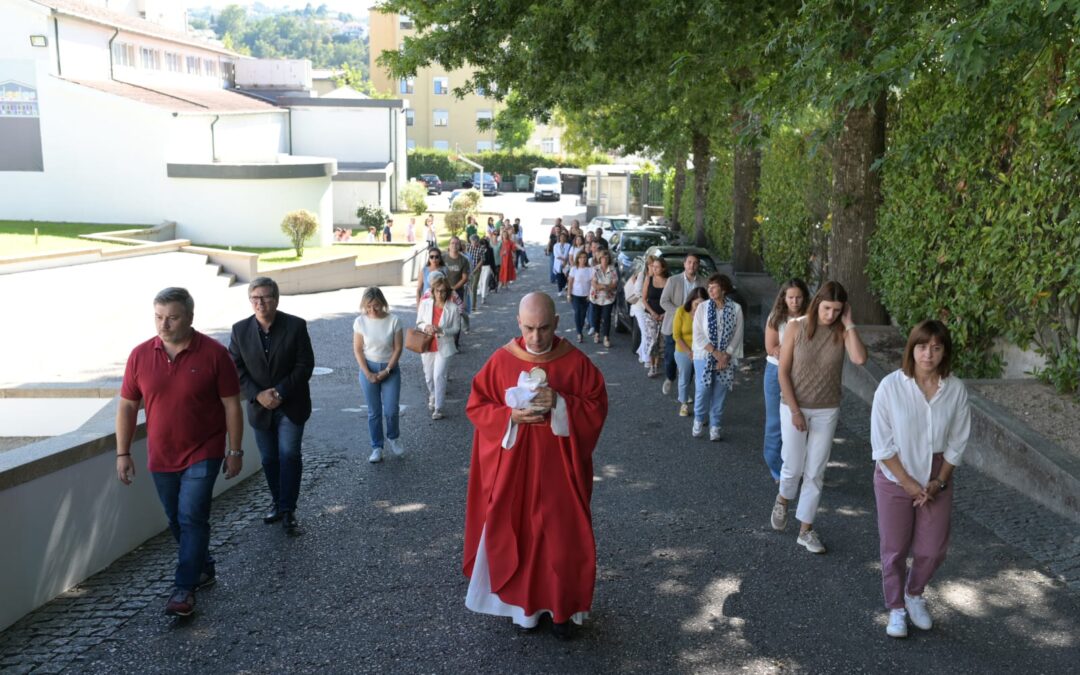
(904, 423)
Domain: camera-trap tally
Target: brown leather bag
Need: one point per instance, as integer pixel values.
(417, 340)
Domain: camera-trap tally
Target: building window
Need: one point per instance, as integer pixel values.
(194, 65)
(441, 118)
(410, 144)
(441, 145)
(210, 67)
(123, 54)
(547, 146)
(174, 63)
(410, 117)
(480, 91)
(150, 58)
(407, 85)
(442, 85)
(482, 146)
(483, 115)
(405, 22)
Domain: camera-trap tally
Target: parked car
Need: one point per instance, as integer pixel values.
(627, 245)
(612, 224)
(548, 185)
(454, 195)
(674, 256)
(490, 187)
(433, 183)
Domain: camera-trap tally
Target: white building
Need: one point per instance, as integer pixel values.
(135, 122)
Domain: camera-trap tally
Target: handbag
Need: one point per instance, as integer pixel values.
(632, 291)
(417, 340)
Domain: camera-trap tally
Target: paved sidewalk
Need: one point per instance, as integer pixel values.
(691, 578)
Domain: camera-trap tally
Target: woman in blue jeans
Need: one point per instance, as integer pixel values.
(718, 344)
(377, 343)
(578, 287)
(790, 304)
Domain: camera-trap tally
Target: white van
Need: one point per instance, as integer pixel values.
(548, 185)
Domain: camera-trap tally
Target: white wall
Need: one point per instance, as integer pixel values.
(250, 138)
(348, 134)
(348, 195)
(278, 73)
(20, 21)
(84, 50)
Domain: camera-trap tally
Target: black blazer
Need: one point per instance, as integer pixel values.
(287, 369)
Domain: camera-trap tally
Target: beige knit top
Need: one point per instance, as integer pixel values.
(817, 366)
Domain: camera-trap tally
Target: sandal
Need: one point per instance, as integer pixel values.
(596, 338)
(607, 342)
(579, 339)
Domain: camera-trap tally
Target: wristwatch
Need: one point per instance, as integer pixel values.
(941, 484)
(234, 453)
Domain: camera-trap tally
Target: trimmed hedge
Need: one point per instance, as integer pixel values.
(506, 163)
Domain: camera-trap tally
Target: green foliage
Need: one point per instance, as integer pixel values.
(414, 196)
(371, 216)
(512, 132)
(793, 206)
(357, 78)
(438, 162)
(466, 204)
(299, 226)
(718, 210)
(289, 36)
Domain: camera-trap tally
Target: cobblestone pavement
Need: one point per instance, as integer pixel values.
(691, 579)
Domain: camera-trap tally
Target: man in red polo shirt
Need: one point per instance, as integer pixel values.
(188, 384)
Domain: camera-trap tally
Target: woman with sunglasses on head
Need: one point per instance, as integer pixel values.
(811, 364)
(434, 264)
(919, 427)
(377, 344)
(790, 304)
(438, 316)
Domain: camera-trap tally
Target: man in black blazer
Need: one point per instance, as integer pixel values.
(273, 355)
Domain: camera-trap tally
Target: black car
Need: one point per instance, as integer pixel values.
(627, 245)
(433, 183)
(674, 257)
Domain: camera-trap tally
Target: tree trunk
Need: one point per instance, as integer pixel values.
(700, 145)
(677, 190)
(856, 195)
(744, 258)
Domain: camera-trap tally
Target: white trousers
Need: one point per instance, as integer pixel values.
(485, 277)
(805, 455)
(435, 375)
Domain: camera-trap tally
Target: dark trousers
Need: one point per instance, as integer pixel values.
(601, 315)
(581, 305)
(671, 369)
(560, 281)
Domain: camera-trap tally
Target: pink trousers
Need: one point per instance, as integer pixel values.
(922, 533)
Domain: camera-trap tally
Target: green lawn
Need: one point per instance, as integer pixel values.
(17, 236)
(274, 258)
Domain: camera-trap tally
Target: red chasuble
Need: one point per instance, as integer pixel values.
(533, 499)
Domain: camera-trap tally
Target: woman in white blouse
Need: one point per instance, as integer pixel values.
(440, 318)
(718, 344)
(377, 343)
(919, 429)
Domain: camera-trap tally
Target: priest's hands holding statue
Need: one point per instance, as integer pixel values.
(539, 407)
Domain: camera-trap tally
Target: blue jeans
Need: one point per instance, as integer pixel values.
(671, 369)
(685, 361)
(773, 442)
(581, 306)
(559, 279)
(382, 401)
(708, 401)
(185, 496)
(281, 460)
(601, 315)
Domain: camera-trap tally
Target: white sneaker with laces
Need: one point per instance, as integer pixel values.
(396, 447)
(698, 429)
(714, 433)
(916, 609)
(778, 519)
(808, 539)
(897, 627)
(437, 415)
(376, 456)
(666, 389)
(684, 410)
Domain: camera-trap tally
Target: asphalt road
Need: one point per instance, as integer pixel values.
(691, 578)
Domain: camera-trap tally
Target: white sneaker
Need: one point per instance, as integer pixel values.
(714, 433)
(778, 519)
(916, 609)
(698, 429)
(376, 456)
(666, 389)
(684, 410)
(897, 627)
(809, 540)
(437, 415)
(396, 447)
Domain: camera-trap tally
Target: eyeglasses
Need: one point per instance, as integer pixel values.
(261, 299)
(433, 257)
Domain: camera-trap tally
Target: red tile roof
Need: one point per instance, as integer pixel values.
(181, 100)
(125, 22)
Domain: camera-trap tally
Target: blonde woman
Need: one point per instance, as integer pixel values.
(377, 343)
(439, 317)
(790, 304)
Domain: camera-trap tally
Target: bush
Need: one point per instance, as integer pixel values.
(466, 204)
(372, 216)
(719, 232)
(505, 163)
(299, 226)
(414, 196)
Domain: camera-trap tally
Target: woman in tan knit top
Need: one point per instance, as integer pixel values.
(811, 363)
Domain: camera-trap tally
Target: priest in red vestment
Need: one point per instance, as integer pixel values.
(538, 406)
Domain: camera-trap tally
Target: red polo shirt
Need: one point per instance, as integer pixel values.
(185, 419)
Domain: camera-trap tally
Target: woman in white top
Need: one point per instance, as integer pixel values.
(790, 304)
(377, 343)
(718, 345)
(919, 428)
(577, 291)
(429, 232)
(441, 318)
(637, 309)
(560, 260)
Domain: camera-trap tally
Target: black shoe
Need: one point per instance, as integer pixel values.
(272, 516)
(207, 578)
(289, 522)
(563, 631)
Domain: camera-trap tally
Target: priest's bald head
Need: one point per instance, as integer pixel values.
(538, 321)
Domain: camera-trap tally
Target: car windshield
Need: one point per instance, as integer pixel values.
(619, 223)
(547, 180)
(640, 242)
(487, 178)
